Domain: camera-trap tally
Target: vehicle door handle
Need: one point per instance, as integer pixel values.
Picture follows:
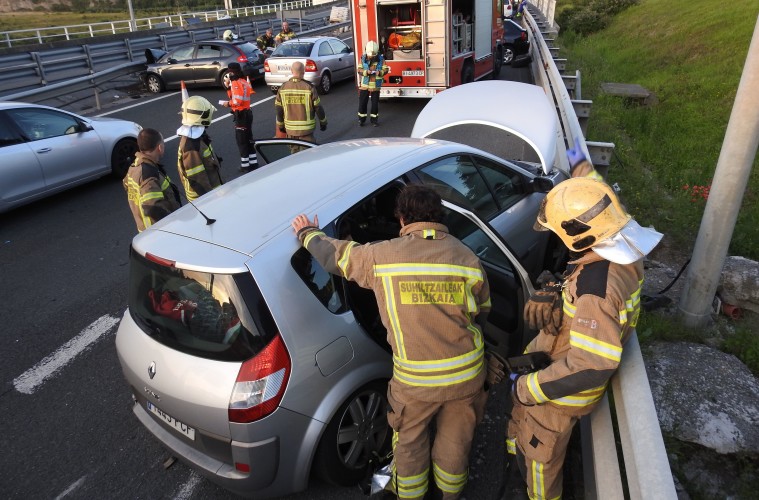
(187, 65)
(44, 150)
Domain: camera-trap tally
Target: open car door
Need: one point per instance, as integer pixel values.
(269, 150)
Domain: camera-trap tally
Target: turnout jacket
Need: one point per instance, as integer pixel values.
(601, 302)
(297, 105)
(429, 288)
(149, 191)
(198, 166)
(369, 81)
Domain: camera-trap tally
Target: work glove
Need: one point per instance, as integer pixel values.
(323, 126)
(543, 311)
(575, 155)
(496, 368)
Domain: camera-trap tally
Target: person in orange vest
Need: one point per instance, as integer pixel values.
(239, 92)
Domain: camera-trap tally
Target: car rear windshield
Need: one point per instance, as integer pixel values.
(250, 51)
(293, 49)
(214, 316)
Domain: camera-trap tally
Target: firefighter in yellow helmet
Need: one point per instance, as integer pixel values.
(370, 82)
(198, 166)
(584, 323)
(430, 288)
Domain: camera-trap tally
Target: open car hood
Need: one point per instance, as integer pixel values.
(518, 109)
(153, 55)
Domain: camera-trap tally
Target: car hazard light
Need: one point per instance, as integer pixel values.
(260, 383)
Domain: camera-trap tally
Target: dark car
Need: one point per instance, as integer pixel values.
(201, 63)
(516, 41)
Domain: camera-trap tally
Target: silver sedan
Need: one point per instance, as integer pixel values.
(44, 150)
(327, 60)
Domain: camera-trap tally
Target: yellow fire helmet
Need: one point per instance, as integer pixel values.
(197, 111)
(586, 214)
(371, 49)
(229, 36)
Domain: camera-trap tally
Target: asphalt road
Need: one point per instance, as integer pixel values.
(65, 408)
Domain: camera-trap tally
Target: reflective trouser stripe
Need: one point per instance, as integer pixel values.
(447, 482)
(408, 486)
(511, 446)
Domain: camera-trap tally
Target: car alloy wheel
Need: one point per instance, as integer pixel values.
(357, 433)
(508, 55)
(122, 157)
(154, 84)
(325, 84)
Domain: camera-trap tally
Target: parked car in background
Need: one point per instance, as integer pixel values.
(327, 60)
(201, 63)
(516, 41)
(256, 366)
(44, 150)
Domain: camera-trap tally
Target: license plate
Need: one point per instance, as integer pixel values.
(175, 424)
(283, 68)
(416, 72)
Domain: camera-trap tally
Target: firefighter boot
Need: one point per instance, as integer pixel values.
(513, 486)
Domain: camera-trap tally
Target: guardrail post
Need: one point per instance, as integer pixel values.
(40, 67)
(39, 36)
(164, 43)
(128, 44)
(561, 64)
(600, 155)
(88, 58)
(582, 110)
(8, 40)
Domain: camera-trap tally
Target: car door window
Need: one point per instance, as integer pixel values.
(339, 47)
(209, 52)
(38, 124)
(325, 50)
(8, 135)
(457, 180)
(506, 185)
(183, 53)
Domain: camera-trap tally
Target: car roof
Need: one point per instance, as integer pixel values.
(309, 39)
(324, 180)
(17, 104)
(528, 114)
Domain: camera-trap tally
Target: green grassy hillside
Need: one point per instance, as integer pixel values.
(690, 53)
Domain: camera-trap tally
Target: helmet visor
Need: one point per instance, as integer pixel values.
(629, 245)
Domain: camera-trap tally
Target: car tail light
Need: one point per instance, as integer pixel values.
(266, 66)
(260, 383)
(311, 65)
(242, 59)
(160, 260)
(523, 36)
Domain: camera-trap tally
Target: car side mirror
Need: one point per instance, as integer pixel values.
(85, 127)
(172, 60)
(542, 184)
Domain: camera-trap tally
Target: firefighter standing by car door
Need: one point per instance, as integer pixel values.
(198, 166)
(151, 194)
(584, 323)
(430, 288)
(372, 70)
(239, 92)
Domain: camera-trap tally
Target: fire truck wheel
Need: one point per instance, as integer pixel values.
(467, 74)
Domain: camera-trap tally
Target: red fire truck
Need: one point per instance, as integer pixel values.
(430, 45)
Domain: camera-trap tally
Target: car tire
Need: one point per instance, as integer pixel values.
(221, 79)
(154, 83)
(508, 55)
(122, 156)
(467, 74)
(325, 84)
(357, 433)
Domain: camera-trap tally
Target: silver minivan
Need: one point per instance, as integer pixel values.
(254, 365)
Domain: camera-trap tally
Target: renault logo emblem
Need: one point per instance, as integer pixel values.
(151, 370)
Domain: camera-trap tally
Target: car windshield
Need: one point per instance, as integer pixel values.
(214, 316)
(293, 49)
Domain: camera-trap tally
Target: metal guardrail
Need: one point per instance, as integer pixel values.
(647, 472)
(53, 34)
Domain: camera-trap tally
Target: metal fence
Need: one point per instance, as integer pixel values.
(182, 20)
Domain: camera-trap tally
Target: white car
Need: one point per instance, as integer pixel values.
(253, 364)
(327, 60)
(44, 150)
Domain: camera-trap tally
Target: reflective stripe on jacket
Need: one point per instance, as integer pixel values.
(198, 166)
(297, 105)
(368, 81)
(149, 192)
(429, 288)
(239, 94)
(601, 306)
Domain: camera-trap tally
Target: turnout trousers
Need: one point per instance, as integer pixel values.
(364, 96)
(410, 419)
(538, 435)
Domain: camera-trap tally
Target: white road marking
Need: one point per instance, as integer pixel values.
(28, 381)
(185, 492)
(71, 488)
(142, 103)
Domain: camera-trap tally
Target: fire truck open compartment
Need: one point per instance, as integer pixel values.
(400, 26)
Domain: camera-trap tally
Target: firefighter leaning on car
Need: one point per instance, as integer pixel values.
(370, 73)
(584, 323)
(151, 194)
(239, 92)
(430, 288)
(266, 40)
(198, 166)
